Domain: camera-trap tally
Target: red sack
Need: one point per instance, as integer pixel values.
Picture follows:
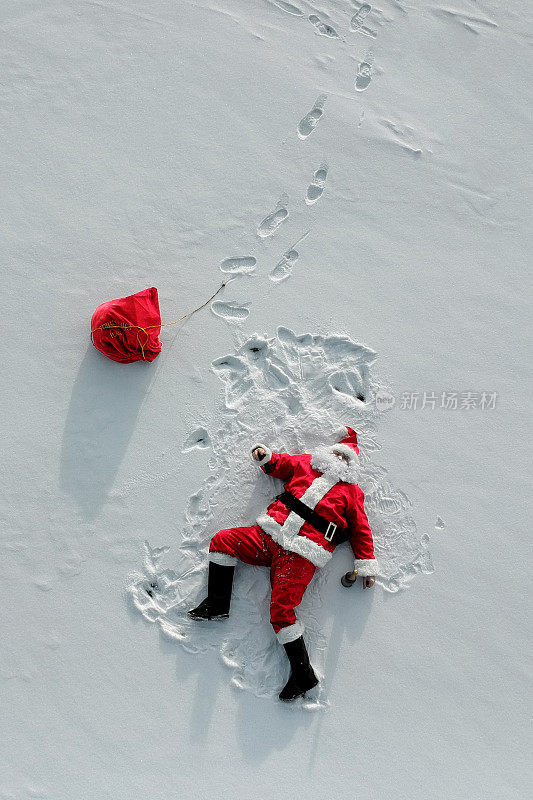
(128, 329)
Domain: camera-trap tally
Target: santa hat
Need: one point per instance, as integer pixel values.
(346, 439)
(349, 438)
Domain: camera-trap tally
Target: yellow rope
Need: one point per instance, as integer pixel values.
(127, 326)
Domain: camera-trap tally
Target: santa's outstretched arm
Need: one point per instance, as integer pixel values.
(360, 534)
(279, 465)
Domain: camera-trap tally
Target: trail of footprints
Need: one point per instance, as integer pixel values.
(231, 310)
(323, 28)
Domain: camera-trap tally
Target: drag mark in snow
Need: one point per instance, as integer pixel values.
(273, 220)
(230, 310)
(480, 200)
(403, 135)
(316, 187)
(322, 28)
(291, 392)
(465, 20)
(308, 123)
(239, 265)
(364, 74)
(199, 438)
(399, 6)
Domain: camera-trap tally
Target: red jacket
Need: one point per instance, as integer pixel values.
(329, 486)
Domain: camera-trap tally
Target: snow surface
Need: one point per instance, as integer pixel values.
(358, 173)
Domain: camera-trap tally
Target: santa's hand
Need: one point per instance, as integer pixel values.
(258, 453)
(368, 581)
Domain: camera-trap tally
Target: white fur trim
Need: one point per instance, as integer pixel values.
(287, 534)
(311, 497)
(290, 633)
(366, 567)
(224, 559)
(340, 433)
(325, 461)
(310, 550)
(346, 450)
(317, 489)
(266, 458)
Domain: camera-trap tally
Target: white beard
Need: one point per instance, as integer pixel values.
(324, 460)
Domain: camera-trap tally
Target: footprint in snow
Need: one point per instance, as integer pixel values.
(307, 125)
(360, 15)
(364, 75)
(289, 8)
(316, 188)
(199, 438)
(283, 268)
(239, 265)
(231, 310)
(356, 22)
(273, 220)
(322, 28)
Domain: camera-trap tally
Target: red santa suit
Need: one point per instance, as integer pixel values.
(292, 547)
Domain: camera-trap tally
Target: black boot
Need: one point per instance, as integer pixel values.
(302, 676)
(216, 604)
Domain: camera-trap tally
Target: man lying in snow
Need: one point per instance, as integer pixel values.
(322, 506)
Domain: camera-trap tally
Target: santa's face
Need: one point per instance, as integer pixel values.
(341, 456)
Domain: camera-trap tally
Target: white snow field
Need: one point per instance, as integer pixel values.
(359, 174)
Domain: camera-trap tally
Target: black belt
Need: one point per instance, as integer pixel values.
(332, 532)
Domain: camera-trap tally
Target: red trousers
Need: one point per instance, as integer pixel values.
(290, 573)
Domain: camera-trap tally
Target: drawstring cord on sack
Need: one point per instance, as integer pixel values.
(127, 326)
